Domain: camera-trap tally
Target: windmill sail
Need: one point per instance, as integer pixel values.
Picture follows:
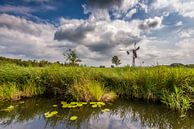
(134, 52)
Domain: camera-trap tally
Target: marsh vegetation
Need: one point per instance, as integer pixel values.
(171, 86)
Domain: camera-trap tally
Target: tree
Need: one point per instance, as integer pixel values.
(177, 65)
(71, 57)
(116, 61)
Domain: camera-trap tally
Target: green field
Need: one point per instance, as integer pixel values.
(171, 86)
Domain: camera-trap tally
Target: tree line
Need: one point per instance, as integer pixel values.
(71, 59)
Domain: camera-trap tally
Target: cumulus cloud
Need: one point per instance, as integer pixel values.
(117, 8)
(155, 22)
(73, 31)
(183, 7)
(18, 9)
(189, 33)
(101, 38)
(20, 38)
(26, 10)
(131, 13)
(154, 50)
(104, 3)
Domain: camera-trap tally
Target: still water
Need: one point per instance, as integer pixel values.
(29, 114)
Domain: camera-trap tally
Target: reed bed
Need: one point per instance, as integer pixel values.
(171, 86)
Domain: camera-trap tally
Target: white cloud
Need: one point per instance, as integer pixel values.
(183, 7)
(18, 9)
(180, 23)
(151, 23)
(131, 13)
(26, 10)
(100, 9)
(164, 52)
(186, 33)
(98, 39)
(26, 39)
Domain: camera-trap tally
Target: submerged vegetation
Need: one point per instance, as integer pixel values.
(171, 86)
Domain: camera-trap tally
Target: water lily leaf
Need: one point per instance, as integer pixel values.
(55, 105)
(21, 102)
(94, 106)
(106, 110)
(10, 108)
(72, 118)
(79, 105)
(92, 102)
(84, 103)
(46, 113)
(50, 114)
(74, 103)
(63, 102)
(54, 112)
(101, 103)
(182, 116)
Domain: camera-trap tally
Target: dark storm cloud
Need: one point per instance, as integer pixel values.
(152, 24)
(104, 3)
(107, 45)
(73, 34)
(100, 47)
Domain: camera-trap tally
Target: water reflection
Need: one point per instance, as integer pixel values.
(122, 115)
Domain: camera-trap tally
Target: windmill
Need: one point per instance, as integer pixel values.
(134, 52)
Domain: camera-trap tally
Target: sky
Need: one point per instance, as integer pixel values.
(98, 30)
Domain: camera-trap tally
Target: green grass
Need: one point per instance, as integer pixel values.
(89, 90)
(100, 84)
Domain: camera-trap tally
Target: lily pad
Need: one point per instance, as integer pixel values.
(182, 115)
(21, 102)
(74, 103)
(63, 102)
(101, 103)
(79, 104)
(97, 104)
(50, 114)
(10, 108)
(106, 110)
(84, 103)
(94, 106)
(55, 105)
(92, 102)
(73, 118)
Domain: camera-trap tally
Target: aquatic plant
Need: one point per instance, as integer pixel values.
(73, 118)
(89, 90)
(106, 110)
(97, 104)
(10, 108)
(50, 114)
(72, 104)
(55, 105)
(176, 100)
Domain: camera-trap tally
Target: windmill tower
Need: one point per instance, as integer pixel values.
(134, 53)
